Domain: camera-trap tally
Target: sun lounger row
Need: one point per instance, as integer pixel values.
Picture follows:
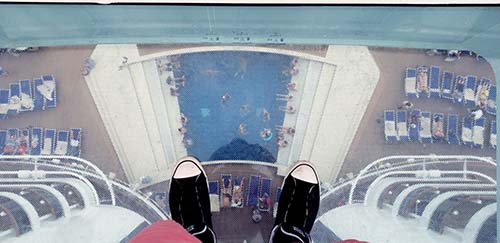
(23, 96)
(233, 191)
(40, 141)
(466, 90)
(426, 128)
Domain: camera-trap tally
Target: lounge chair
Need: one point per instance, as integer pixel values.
(62, 142)
(482, 92)
(478, 133)
(49, 138)
(3, 139)
(26, 96)
(253, 191)
(12, 141)
(425, 132)
(38, 99)
(411, 83)
(238, 189)
(24, 142)
(390, 126)
(491, 104)
(226, 191)
(75, 142)
(423, 81)
(459, 89)
(414, 125)
(36, 141)
(276, 201)
(447, 85)
(452, 131)
(467, 125)
(493, 134)
(470, 91)
(438, 130)
(265, 195)
(434, 86)
(4, 103)
(14, 99)
(50, 93)
(402, 126)
(213, 191)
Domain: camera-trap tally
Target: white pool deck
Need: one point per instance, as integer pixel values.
(142, 118)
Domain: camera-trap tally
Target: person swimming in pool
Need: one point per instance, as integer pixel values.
(242, 68)
(266, 116)
(243, 129)
(225, 98)
(244, 110)
(266, 134)
(187, 141)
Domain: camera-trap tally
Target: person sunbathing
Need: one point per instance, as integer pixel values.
(288, 109)
(265, 133)
(284, 97)
(292, 86)
(243, 129)
(266, 116)
(225, 98)
(182, 130)
(174, 91)
(184, 119)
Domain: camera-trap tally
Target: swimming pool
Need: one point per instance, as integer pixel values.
(251, 79)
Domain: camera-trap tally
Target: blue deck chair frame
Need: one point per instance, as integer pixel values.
(213, 187)
(15, 91)
(4, 103)
(26, 134)
(425, 131)
(452, 135)
(423, 92)
(62, 141)
(447, 85)
(467, 126)
(265, 188)
(436, 118)
(402, 125)
(38, 99)
(253, 191)
(75, 133)
(491, 104)
(36, 141)
(458, 90)
(413, 130)
(493, 134)
(51, 103)
(26, 90)
(49, 139)
(478, 133)
(391, 135)
(411, 83)
(434, 86)
(470, 91)
(3, 139)
(484, 84)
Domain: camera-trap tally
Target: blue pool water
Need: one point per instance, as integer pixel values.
(251, 79)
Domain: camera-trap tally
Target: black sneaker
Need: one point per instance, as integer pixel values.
(189, 200)
(299, 201)
(288, 234)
